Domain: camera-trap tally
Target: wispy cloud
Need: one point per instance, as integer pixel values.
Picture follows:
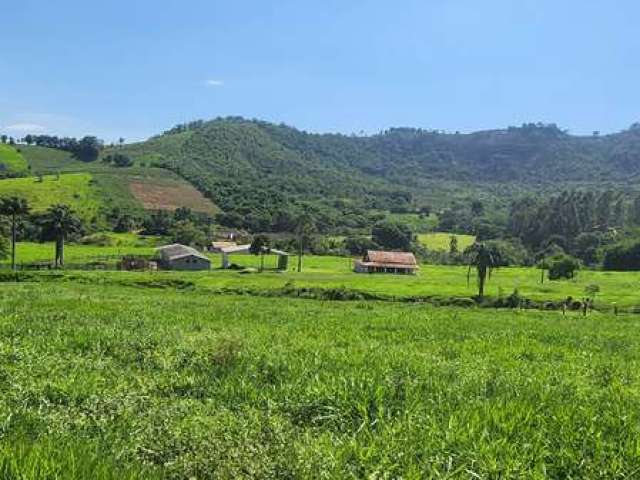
(26, 128)
(214, 83)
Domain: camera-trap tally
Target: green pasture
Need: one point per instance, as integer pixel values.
(74, 190)
(616, 288)
(441, 241)
(103, 381)
(11, 161)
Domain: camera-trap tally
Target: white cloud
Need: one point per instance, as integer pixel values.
(214, 83)
(26, 128)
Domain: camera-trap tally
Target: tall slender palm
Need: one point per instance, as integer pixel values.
(13, 207)
(59, 222)
(484, 259)
(304, 228)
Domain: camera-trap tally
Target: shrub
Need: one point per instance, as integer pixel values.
(622, 256)
(563, 267)
(359, 245)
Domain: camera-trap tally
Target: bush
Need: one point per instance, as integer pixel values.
(392, 235)
(359, 245)
(622, 256)
(563, 267)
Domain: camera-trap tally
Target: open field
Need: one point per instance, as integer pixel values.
(441, 241)
(74, 189)
(129, 189)
(325, 272)
(182, 384)
(11, 161)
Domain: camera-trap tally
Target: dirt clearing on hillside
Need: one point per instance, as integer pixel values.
(165, 196)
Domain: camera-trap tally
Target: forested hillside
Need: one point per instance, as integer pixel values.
(262, 175)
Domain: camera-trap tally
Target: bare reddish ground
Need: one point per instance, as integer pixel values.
(156, 196)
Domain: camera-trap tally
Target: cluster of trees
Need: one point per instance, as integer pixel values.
(86, 148)
(57, 224)
(118, 159)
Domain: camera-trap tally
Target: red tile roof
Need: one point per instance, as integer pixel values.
(391, 259)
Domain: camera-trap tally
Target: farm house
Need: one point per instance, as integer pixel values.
(181, 257)
(403, 263)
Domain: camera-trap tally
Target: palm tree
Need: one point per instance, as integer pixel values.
(58, 223)
(484, 258)
(13, 207)
(304, 228)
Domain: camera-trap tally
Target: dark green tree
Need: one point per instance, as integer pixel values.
(58, 223)
(88, 149)
(14, 208)
(484, 259)
(453, 244)
(392, 235)
(304, 228)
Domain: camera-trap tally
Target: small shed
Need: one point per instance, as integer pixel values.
(375, 261)
(181, 257)
(283, 257)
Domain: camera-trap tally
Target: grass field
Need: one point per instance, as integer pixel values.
(129, 189)
(440, 241)
(11, 161)
(121, 382)
(325, 272)
(74, 190)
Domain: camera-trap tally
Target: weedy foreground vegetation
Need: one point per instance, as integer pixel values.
(117, 381)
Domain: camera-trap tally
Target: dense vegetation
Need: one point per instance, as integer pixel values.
(261, 174)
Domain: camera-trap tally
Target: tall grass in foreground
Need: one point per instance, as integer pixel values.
(63, 459)
(198, 386)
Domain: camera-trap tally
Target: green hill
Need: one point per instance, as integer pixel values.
(265, 173)
(130, 189)
(12, 163)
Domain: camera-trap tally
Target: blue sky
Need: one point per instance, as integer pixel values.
(134, 68)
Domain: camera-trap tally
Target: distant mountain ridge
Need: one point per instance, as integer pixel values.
(278, 163)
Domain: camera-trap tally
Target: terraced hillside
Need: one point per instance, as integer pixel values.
(90, 187)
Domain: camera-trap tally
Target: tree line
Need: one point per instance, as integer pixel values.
(86, 148)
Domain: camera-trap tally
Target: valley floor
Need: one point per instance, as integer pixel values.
(116, 381)
(617, 289)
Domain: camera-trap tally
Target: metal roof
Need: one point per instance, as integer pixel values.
(177, 250)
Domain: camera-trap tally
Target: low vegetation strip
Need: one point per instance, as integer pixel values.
(245, 387)
(290, 290)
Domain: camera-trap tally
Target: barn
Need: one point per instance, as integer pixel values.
(375, 261)
(181, 257)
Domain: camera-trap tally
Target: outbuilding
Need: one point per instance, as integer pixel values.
(182, 257)
(375, 261)
(283, 257)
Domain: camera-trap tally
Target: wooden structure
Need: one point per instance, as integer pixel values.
(402, 263)
(181, 257)
(283, 257)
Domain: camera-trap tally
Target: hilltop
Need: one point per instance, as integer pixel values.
(262, 176)
(256, 168)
